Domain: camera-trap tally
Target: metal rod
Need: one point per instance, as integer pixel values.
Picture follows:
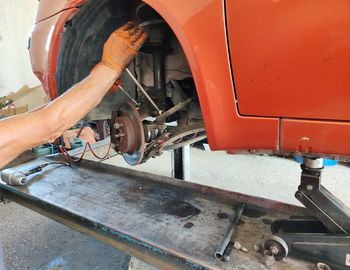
(128, 95)
(219, 254)
(173, 110)
(132, 77)
(183, 144)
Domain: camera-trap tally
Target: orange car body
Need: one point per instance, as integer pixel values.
(271, 76)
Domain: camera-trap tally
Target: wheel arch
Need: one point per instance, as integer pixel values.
(201, 30)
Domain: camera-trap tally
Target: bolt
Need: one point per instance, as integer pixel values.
(238, 246)
(117, 125)
(119, 135)
(257, 248)
(274, 250)
(309, 187)
(245, 250)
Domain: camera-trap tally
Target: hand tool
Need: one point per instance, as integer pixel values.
(18, 177)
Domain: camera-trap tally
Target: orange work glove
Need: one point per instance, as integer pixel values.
(122, 46)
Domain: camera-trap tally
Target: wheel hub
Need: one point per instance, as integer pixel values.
(127, 134)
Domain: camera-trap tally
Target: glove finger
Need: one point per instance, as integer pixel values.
(138, 43)
(132, 31)
(126, 26)
(137, 35)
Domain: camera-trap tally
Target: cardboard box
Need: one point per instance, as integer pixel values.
(31, 97)
(14, 111)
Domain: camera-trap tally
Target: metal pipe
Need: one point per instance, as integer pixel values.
(128, 95)
(132, 77)
(219, 254)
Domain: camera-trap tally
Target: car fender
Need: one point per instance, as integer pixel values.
(201, 30)
(49, 8)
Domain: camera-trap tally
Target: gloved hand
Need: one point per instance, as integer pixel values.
(122, 46)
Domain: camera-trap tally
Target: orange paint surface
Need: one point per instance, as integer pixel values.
(205, 45)
(325, 137)
(291, 58)
(45, 41)
(48, 8)
(305, 78)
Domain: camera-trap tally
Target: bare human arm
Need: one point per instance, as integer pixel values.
(25, 131)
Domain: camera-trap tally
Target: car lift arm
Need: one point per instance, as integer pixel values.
(168, 223)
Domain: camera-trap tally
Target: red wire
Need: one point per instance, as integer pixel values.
(71, 159)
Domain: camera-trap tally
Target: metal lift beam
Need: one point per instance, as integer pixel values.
(167, 223)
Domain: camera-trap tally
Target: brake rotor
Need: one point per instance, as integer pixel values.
(127, 133)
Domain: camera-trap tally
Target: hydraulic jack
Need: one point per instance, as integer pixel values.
(324, 238)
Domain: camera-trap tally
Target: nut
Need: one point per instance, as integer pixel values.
(274, 250)
(238, 246)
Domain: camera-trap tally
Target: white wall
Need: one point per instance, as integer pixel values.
(16, 20)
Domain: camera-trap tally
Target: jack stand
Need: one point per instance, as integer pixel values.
(324, 239)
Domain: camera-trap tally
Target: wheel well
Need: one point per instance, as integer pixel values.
(84, 36)
(82, 43)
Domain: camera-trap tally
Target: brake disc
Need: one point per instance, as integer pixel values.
(127, 133)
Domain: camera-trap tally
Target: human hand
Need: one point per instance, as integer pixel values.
(122, 46)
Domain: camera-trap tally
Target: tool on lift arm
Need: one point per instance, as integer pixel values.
(18, 176)
(324, 239)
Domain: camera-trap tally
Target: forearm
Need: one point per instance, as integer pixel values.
(23, 132)
(72, 106)
(44, 125)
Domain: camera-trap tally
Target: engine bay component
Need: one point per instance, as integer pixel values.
(127, 133)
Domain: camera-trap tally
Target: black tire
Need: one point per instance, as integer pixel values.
(83, 39)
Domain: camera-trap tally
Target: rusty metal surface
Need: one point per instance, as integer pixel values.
(168, 223)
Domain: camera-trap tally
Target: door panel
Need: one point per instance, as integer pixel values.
(291, 58)
(318, 137)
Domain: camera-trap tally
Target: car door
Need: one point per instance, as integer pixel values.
(291, 60)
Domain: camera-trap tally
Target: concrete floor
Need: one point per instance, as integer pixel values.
(30, 241)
